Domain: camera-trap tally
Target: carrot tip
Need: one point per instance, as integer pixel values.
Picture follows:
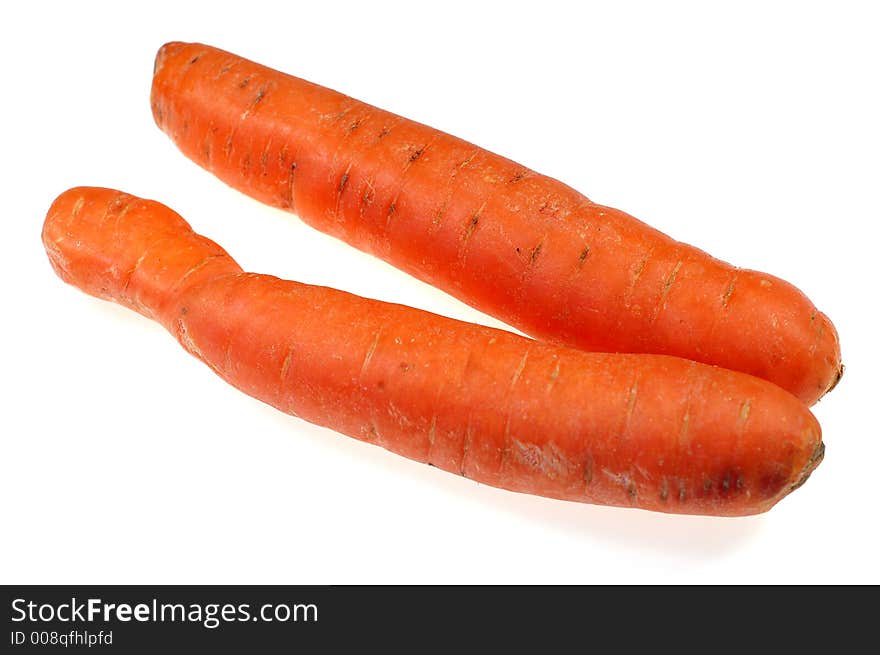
(814, 461)
(836, 379)
(163, 53)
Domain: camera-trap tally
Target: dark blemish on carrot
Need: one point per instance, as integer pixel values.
(260, 94)
(225, 69)
(465, 449)
(664, 294)
(372, 432)
(404, 367)
(246, 165)
(367, 198)
(771, 483)
(418, 153)
(195, 59)
(744, 411)
(384, 132)
(354, 126)
(468, 232)
(380, 384)
(343, 181)
(583, 256)
(518, 251)
(184, 310)
(588, 470)
(637, 273)
(671, 279)
(290, 185)
(546, 208)
(725, 483)
(725, 299)
(441, 212)
(472, 225)
(517, 177)
(664, 490)
(535, 252)
(244, 82)
(391, 209)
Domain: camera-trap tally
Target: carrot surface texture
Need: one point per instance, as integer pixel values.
(649, 431)
(520, 246)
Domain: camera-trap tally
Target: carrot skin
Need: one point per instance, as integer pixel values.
(647, 431)
(515, 244)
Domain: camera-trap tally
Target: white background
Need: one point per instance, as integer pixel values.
(750, 130)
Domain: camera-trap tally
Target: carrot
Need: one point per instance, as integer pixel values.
(648, 431)
(518, 245)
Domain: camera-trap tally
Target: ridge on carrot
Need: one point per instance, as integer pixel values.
(648, 431)
(518, 245)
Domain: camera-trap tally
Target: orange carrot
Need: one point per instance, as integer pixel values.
(648, 431)
(515, 244)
